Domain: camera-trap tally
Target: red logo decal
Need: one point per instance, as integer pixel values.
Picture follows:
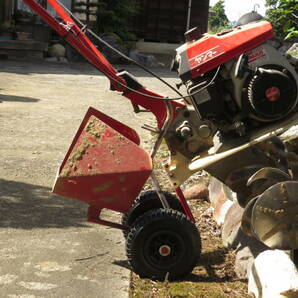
(272, 94)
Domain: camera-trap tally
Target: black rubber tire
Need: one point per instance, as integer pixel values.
(161, 229)
(146, 201)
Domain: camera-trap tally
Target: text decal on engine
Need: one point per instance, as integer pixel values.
(256, 54)
(206, 56)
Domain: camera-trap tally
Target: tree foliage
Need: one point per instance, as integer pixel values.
(280, 14)
(113, 16)
(218, 20)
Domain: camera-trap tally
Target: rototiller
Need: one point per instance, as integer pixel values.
(241, 94)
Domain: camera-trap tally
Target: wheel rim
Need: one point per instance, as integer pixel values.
(164, 249)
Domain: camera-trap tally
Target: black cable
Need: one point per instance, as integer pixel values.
(167, 98)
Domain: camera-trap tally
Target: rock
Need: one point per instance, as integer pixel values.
(221, 198)
(219, 214)
(144, 59)
(273, 275)
(57, 50)
(196, 192)
(215, 187)
(231, 225)
(243, 262)
(116, 42)
(73, 55)
(248, 248)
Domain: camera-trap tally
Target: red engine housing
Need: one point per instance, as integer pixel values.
(200, 56)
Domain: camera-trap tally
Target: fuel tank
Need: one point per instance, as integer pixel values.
(197, 57)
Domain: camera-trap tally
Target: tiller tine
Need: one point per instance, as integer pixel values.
(274, 174)
(104, 166)
(266, 177)
(246, 217)
(274, 219)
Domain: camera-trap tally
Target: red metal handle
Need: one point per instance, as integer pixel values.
(72, 34)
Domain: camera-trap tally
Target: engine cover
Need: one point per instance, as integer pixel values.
(198, 57)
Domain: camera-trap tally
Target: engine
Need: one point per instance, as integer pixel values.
(237, 80)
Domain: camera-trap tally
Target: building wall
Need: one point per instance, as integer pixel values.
(1, 12)
(5, 11)
(158, 20)
(166, 20)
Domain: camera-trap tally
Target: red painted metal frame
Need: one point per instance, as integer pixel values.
(184, 204)
(79, 41)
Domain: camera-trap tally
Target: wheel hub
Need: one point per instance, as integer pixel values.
(164, 250)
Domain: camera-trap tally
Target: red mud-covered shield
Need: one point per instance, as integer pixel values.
(104, 166)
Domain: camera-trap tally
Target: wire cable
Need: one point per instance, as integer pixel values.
(166, 98)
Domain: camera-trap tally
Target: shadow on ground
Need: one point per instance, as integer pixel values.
(27, 206)
(211, 261)
(122, 263)
(17, 98)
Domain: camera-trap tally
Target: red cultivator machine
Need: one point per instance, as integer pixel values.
(241, 94)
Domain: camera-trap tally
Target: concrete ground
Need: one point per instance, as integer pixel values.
(46, 247)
